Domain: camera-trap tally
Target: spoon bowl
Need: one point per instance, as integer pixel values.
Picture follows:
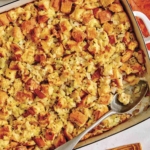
(137, 92)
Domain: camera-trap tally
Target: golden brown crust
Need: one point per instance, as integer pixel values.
(61, 62)
(16, 33)
(3, 98)
(106, 3)
(105, 16)
(78, 118)
(4, 19)
(56, 4)
(66, 6)
(135, 146)
(116, 7)
(28, 25)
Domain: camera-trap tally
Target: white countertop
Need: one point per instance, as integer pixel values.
(139, 133)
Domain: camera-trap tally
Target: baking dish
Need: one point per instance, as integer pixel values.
(146, 114)
(142, 46)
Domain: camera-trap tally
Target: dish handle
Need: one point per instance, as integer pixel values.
(146, 21)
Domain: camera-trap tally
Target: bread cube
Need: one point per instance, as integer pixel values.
(78, 118)
(66, 6)
(105, 3)
(4, 21)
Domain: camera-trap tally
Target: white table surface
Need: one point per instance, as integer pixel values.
(139, 133)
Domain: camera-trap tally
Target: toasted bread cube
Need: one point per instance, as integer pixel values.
(65, 25)
(108, 28)
(2, 62)
(39, 141)
(120, 17)
(68, 130)
(105, 16)
(30, 111)
(35, 34)
(16, 33)
(105, 99)
(59, 50)
(28, 25)
(23, 96)
(96, 75)
(42, 19)
(77, 14)
(140, 56)
(137, 68)
(78, 118)
(56, 4)
(44, 33)
(3, 98)
(127, 38)
(59, 140)
(105, 88)
(112, 39)
(127, 56)
(78, 35)
(87, 17)
(45, 46)
(49, 135)
(44, 4)
(28, 56)
(96, 12)
(3, 52)
(26, 15)
(66, 6)
(117, 75)
(10, 74)
(62, 103)
(91, 33)
(91, 4)
(46, 89)
(4, 19)
(123, 17)
(4, 131)
(126, 68)
(105, 3)
(116, 7)
(132, 45)
(12, 15)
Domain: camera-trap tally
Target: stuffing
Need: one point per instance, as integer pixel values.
(78, 118)
(4, 19)
(105, 16)
(106, 3)
(55, 4)
(3, 98)
(124, 98)
(28, 25)
(116, 7)
(61, 63)
(17, 34)
(78, 35)
(44, 4)
(66, 6)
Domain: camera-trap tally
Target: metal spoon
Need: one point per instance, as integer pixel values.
(115, 108)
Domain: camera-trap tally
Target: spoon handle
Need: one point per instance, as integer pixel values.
(72, 143)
